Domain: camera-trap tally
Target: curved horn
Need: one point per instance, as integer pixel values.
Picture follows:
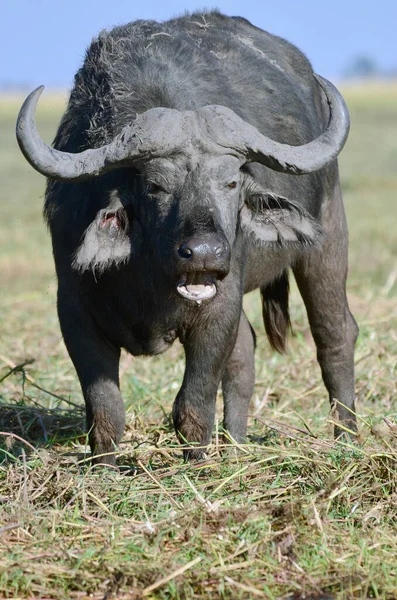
(148, 137)
(231, 131)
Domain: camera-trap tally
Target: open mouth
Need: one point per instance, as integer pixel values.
(197, 286)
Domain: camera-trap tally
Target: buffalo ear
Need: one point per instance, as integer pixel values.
(105, 243)
(274, 221)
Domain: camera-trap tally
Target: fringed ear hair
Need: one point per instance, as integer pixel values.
(106, 242)
(272, 220)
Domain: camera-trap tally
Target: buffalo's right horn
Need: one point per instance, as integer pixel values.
(147, 137)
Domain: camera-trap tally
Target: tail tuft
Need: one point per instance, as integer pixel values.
(275, 312)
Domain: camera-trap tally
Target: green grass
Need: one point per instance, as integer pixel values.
(290, 515)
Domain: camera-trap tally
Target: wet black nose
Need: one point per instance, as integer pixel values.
(205, 252)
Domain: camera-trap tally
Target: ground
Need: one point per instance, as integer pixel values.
(289, 515)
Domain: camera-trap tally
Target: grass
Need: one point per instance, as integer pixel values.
(289, 515)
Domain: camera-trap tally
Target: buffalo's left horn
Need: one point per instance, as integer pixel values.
(147, 137)
(229, 130)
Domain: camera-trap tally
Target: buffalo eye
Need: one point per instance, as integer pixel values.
(154, 188)
(232, 185)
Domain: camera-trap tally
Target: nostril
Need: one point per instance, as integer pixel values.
(219, 251)
(185, 252)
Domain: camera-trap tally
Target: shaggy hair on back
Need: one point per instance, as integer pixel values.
(145, 64)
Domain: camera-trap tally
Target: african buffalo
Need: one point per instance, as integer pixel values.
(196, 161)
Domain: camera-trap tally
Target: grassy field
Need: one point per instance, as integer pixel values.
(290, 515)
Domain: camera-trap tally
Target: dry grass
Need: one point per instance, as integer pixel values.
(289, 515)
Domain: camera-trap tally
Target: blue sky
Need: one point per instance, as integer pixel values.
(43, 41)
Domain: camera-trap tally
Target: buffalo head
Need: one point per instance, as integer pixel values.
(185, 189)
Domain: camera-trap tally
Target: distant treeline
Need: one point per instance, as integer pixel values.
(366, 67)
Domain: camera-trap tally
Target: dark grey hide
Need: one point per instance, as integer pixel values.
(165, 246)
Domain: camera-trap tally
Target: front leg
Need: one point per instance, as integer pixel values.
(208, 346)
(96, 361)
